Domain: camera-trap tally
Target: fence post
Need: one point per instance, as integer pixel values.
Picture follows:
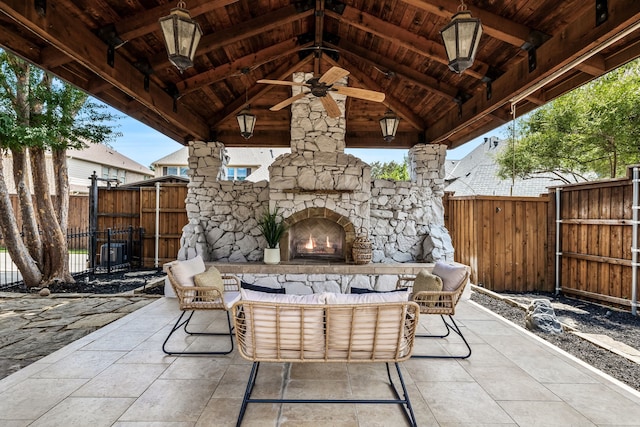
(130, 247)
(93, 220)
(634, 243)
(558, 244)
(108, 250)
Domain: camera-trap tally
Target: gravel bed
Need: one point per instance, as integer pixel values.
(584, 317)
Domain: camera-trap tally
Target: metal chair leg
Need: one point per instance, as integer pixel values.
(180, 323)
(453, 326)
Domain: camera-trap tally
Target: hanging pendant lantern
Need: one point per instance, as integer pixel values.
(246, 121)
(389, 125)
(181, 36)
(461, 38)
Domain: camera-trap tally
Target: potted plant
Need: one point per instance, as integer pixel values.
(272, 228)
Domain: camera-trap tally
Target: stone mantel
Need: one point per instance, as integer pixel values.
(320, 268)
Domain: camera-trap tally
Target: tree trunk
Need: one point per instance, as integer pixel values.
(61, 176)
(19, 253)
(56, 253)
(31, 235)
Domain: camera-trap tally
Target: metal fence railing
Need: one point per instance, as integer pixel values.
(93, 252)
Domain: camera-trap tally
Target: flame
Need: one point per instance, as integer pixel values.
(328, 244)
(309, 246)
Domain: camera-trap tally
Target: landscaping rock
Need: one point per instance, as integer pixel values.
(541, 317)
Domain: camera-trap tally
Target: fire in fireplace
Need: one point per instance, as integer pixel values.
(317, 238)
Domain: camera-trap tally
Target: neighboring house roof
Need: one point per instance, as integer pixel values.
(258, 159)
(477, 174)
(104, 155)
(170, 179)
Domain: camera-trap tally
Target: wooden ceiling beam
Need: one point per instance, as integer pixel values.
(579, 38)
(78, 42)
(394, 104)
(234, 107)
(414, 77)
(237, 67)
(251, 28)
(401, 37)
(147, 22)
(493, 25)
(594, 66)
(318, 36)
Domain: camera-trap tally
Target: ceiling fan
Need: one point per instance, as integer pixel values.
(321, 86)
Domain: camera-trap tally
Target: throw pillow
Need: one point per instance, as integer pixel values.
(183, 271)
(425, 281)
(258, 288)
(452, 275)
(209, 279)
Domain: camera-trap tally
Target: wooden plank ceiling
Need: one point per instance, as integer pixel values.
(531, 49)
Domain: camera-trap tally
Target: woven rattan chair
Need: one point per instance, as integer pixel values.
(307, 333)
(194, 298)
(442, 303)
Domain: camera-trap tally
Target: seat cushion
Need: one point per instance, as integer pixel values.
(452, 275)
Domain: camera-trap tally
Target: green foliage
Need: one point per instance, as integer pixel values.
(390, 170)
(59, 115)
(591, 130)
(272, 227)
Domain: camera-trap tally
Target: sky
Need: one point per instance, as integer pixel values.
(145, 145)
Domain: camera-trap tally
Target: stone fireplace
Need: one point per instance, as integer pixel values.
(317, 234)
(324, 195)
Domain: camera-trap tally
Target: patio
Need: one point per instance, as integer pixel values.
(119, 376)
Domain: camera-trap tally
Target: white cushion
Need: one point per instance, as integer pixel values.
(374, 297)
(249, 295)
(183, 271)
(450, 274)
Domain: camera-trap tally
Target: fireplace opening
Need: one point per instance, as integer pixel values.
(317, 238)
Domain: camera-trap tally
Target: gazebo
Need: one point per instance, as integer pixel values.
(319, 77)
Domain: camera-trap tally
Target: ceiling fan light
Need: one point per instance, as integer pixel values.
(461, 38)
(389, 125)
(181, 36)
(247, 122)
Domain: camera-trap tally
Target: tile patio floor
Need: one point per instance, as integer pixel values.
(119, 376)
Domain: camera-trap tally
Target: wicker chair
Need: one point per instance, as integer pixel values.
(307, 333)
(194, 298)
(442, 303)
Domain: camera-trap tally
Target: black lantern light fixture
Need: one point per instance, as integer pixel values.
(181, 36)
(389, 125)
(246, 120)
(461, 37)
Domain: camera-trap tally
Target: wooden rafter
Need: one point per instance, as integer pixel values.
(401, 37)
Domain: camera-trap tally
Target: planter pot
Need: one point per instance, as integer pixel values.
(272, 256)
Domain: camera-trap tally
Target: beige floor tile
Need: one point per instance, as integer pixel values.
(436, 370)
(171, 400)
(117, 341)
(150, 356)
(462, 402)
(599, 403)
(118, 381)
(152, 424)
(220, 413)
(510, 384)
(33, 397)
(81, 364)
(197, 368)
(318, 389)
(317, 371)
(545, 414)
(84, 411)
(319, 413)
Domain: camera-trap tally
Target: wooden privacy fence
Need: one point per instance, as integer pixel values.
(597, 249)
(503, 239)
(78, 211)
(159, 210)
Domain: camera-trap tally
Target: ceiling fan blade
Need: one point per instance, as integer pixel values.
(355, 92)
(281, 82)
(330, 106)
(333, 75)
(287, 101)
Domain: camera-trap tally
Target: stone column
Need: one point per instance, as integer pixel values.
(222, 224)
(426, 169)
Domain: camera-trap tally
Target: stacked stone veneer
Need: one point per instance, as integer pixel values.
(404, 220)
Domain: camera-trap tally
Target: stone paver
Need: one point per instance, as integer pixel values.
(32, 327)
